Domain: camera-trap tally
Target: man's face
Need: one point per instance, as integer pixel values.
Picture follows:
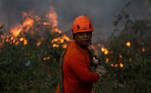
(83, 38)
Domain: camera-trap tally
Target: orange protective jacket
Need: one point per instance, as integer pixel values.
(76, 69)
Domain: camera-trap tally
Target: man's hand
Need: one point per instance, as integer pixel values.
(100, 70)
(95, 61)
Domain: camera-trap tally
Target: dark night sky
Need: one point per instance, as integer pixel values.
(101, 12)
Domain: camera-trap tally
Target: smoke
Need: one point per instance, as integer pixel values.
(11, 10)
(101, 12)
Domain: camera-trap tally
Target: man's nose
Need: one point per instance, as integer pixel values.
(85, 35)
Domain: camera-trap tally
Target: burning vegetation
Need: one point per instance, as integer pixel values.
(30, 53)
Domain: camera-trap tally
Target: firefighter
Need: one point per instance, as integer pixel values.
(75, 74)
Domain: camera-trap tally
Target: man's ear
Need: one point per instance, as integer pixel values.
(74, 35)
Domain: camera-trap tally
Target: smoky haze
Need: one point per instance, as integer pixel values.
(101, 12)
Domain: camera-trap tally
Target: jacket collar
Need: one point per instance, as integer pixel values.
(74, 44)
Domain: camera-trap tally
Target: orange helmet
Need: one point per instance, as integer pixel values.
(82, 24)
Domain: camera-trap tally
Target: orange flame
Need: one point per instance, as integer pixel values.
(65, 37)
(16, 43)
(25, 26)
(46, 24)
(128, 43)
(105, 50)
(64, 46)
(107, 60)
(121, 65)
(16, 30)
(21, 39)
(55, 45)
(53, 19)
(2, 41)
(25, 42)
(38, 43)
(28, 23)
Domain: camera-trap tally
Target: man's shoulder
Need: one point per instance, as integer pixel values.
(73, 51)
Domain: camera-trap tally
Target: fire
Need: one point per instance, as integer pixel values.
(38, 43)
(16, 43)
(128, 43)
(46, 58)
(104, 50)
(143, 49)
(107, 60)
(64, 46)
(25, 26)
(65, 37)
(53, 19)
(112, 65)
(54, 40)
(121, 65)
(46, 23)
(28, 23)
(7, 40)
(60, 40)
(55, 45)
(116, 65)
(25, 42)
(16, 30)
(21, 39)
(1, 40)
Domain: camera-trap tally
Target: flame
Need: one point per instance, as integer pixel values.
(25, 42)
(104, 50)
(107, 60)
(143, 49)
(130, 59)
(128, 43)
(48, 58)
(7, 40)
(16, 30)
(21, 39)
(44, 58)
(112, 65)
(55, 45)
(46, 24)
(16, 43)
(53, 19)
(54, 40)
(116, 65)
(121, 65)
(65, 37)
(64, 46)
(25, 26)
(38, 43)
(28, 23)
(61, 40)
(2, 41)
